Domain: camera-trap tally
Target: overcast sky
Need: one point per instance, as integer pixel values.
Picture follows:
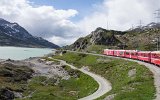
(63, 21)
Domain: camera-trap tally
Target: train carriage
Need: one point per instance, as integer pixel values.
(144, 56)
(115, 52)
(128, 54)
(155, 57)
(131, 54)
(120, 53)
(147, 56)
(108, 52)
(134, 54)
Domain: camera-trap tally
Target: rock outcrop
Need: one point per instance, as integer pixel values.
(6, 94)
(98, 37)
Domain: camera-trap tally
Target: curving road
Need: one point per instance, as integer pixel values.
(153, 68)
(104, 85)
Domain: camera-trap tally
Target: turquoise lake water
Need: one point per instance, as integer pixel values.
(18, 53)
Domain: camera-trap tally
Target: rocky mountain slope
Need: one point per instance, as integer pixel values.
(140, 38)
(98, 37)
(12, 34)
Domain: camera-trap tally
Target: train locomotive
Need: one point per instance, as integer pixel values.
(147, 56)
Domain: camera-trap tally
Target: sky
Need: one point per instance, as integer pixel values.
(82, 6)
(64, 21)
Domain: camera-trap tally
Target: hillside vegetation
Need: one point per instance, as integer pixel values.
(22, 83)
(13, 79)
(130, 81)
(43, 88)
(140, 38)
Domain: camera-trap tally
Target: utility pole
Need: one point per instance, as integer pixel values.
(158, 38)
(132, 27)
(157, 15)
(107, 23)
(140, 24)
(154, 17)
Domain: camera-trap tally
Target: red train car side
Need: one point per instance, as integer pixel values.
(144, 56)
(108, 52)
(134, 54)
(128, 54)
(147, 56)
(155, 57)
(120, 53)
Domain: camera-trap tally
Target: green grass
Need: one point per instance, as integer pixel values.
(15, 78)
(77, 60)
(139, 87)
(72, 89)
(49, 59)
(96, 48)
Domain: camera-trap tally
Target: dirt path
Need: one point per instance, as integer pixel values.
(104, 85)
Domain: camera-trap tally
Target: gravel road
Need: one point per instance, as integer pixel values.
(104, 85)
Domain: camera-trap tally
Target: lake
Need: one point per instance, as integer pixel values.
(20, 53)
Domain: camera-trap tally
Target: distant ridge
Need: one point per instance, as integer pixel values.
(12, 34)
(139, 38)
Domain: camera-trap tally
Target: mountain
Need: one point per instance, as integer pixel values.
(140, 38)
(12, 34)
(99, 37)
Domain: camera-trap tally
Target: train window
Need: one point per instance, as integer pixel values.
(142, 54)
(156, 56)
(127, 53)
(121, 52)
(145, 55)
(153, 55)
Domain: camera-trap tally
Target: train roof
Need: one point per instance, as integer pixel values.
(156, 52)
(114, 49)
(144, 51)
(131, 50)
(108, 49)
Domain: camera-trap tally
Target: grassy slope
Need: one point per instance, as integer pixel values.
(96, 48)
(72, 89)
(141, 87)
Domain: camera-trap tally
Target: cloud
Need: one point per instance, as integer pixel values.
(120, 14)
(56, 25)
(44, 21)
(62, 41)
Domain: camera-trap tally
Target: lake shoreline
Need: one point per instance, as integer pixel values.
(20, 53)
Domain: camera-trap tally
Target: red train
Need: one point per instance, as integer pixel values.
(147, 56)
